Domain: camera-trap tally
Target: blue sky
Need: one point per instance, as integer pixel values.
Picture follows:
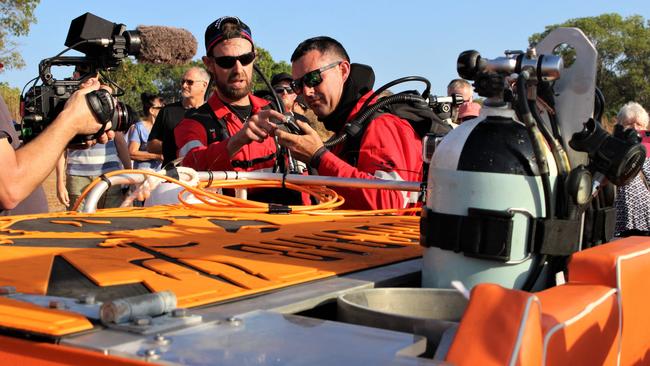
(397, 38)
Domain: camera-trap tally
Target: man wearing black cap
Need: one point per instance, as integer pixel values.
(282, 87)
(224, 133)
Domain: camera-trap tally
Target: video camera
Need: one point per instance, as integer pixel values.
(446, 107)
(105, 45)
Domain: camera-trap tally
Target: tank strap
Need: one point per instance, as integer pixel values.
(557, 237)
(482, 233)
(487, 234)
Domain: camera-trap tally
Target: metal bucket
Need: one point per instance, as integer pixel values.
(423, 311)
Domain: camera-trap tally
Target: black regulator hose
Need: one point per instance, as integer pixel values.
(268, 84)
(355, 127)
(406, 79)
(599, 106)
(281, 150)
(533, 132)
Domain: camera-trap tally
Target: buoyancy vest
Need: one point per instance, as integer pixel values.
(216, 130)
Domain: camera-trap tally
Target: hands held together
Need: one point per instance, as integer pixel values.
(268, 123)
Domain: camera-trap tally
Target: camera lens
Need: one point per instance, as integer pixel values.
(123, 117)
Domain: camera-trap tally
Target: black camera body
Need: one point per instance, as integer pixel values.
(446, 108)
(105, 45)
(619, 156)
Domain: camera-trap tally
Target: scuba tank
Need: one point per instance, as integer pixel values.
(508, 191)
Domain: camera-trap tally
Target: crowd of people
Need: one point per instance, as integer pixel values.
(227, 127)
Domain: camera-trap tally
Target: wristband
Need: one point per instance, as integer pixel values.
(315, 159)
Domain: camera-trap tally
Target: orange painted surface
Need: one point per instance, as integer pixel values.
(202, 256)
(28, 353)
(581, 323)
(21, 315)
(499, 325)
(631, 258)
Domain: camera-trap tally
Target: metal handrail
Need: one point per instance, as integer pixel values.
(314, 180)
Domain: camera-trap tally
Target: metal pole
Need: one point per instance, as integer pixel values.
(90, 204)
(313, 180)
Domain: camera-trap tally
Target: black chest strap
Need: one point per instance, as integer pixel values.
(215, 128)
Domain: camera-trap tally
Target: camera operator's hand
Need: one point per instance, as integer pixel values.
(257, 128)
(303, 147)
(24, 169)
(78, 117)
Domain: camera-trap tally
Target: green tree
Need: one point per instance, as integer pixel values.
(15, 18)
(137, 78)
(623, 46)
(268, 67)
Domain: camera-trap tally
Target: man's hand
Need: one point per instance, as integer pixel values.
(303, 147)
(257, 128)
(78, 117)
(62, 194)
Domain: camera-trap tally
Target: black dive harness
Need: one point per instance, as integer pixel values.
(216, 130)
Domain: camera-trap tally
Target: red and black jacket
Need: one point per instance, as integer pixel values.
(203, 135)
(389, 148)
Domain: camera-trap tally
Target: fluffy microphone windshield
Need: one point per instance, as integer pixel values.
(166, 45)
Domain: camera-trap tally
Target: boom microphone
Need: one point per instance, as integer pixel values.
(107, 43)
(166, 45)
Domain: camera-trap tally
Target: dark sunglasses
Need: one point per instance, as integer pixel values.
(281, 89)
(227, 62)
(312, 78)
(190, 82)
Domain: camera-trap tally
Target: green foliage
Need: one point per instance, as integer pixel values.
(136, 78)
(268, 67)
(15, 18)
(623, 46)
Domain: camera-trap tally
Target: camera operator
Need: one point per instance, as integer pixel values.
(335, 89)
(25, 167)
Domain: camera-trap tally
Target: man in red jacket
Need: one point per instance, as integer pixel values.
(335, 90)
(224, 133)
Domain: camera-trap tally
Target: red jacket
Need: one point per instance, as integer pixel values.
(191, 139)
(390, 149)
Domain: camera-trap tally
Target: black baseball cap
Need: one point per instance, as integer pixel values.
(214, 31)
(277, 78)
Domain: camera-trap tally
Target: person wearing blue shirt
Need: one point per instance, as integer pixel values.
(139, 134)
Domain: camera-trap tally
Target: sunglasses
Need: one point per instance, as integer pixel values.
(281, 89)
(312, 78)
(228, 62)
(190, 82)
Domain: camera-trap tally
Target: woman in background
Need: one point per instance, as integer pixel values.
(633, 199)
(139, 134)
